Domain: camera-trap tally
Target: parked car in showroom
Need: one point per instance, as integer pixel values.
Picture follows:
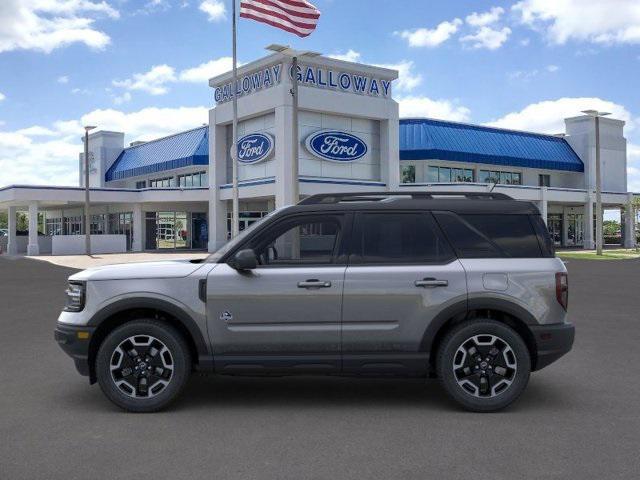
(463, 287)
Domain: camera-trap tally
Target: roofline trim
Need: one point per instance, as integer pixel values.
(418, 120)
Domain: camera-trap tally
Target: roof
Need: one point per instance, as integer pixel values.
(183, 149)
(425, 139)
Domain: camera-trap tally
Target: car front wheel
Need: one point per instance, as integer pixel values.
(143, 365)
(484, 365)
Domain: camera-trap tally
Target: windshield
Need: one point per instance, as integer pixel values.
(231, 244)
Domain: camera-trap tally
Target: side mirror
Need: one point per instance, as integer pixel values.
(245, 260)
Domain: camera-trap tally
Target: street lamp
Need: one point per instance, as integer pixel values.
(294, 55)
(87, 217)
(596, 114)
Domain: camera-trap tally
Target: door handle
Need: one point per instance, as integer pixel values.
(313, 283)
(431, 283)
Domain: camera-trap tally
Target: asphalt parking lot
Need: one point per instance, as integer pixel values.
(579, 418)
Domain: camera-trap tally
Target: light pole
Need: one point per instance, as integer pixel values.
(295, 146)
(87, 216)
(596, 114)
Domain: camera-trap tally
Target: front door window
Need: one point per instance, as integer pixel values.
(575, 229)
(554, 225)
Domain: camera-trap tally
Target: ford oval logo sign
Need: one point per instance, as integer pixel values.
(255, 147)
(336, 146)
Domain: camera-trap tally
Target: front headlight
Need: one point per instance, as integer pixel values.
(75, 297)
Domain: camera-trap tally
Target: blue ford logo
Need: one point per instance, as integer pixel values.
(255, 147)
(336, 146)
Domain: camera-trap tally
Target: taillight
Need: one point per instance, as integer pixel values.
(562, 289)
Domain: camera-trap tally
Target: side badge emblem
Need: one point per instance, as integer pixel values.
(226, 316)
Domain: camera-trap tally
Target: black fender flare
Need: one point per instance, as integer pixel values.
(202, 346)
(462, 308)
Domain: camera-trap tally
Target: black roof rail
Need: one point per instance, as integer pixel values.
(328, 198)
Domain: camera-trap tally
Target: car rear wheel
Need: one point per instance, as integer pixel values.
(484, 365)
(143, 365)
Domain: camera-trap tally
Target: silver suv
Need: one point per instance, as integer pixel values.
(463, 287)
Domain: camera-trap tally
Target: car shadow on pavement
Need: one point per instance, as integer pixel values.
(250, 393)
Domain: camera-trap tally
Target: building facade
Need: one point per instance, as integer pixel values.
(174, 193)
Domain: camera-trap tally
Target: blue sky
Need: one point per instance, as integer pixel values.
(141, 66)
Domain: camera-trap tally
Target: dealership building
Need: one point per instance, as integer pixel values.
(175, 193)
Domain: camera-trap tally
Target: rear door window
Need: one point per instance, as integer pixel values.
(398, 238)
(491, 235)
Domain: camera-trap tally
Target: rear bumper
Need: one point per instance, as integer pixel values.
(552, 342)
(75, 345)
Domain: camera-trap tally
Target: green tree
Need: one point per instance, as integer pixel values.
(22, 223)
(3, 220)
(610, 228)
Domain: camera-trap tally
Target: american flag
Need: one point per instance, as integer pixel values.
(294, 16)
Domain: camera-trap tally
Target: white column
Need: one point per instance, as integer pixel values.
(589, 241)
(138, 220)
(12, 246)
(629, 223)
(390, 151)
(218, 209)
(542, 204)
(33, 248)
(284, 156)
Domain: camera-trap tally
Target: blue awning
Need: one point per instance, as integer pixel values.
(427, 139)
(176, 151)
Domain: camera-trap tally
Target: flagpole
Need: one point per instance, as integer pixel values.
(235, 221)
(295, 185)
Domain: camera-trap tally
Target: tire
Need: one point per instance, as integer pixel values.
(143, 365)
(461, 369)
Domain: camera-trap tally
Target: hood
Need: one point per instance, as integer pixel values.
(142, 270)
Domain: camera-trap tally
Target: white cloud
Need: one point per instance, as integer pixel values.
(487, 37)
(525, 42)
(595, 21)
(486, 18)
(154, 81)
(214, 9)
(49, 155)
(420, 106)
(148, 123)
(523, 75)
(157, 80)
(203, 72)
(63, 79)
(407, 78)
(548, 116)
(153, 6)
(45, 25)
(120, 99)
(2, 96)
(349, 56)
(526, 75)
(424, 37)
(36, 131)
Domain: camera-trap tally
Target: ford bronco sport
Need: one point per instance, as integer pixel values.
(463, 287)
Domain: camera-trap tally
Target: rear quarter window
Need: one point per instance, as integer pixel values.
(491, 235)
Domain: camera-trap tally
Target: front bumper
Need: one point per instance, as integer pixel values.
(552, 342)
(75, 340)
